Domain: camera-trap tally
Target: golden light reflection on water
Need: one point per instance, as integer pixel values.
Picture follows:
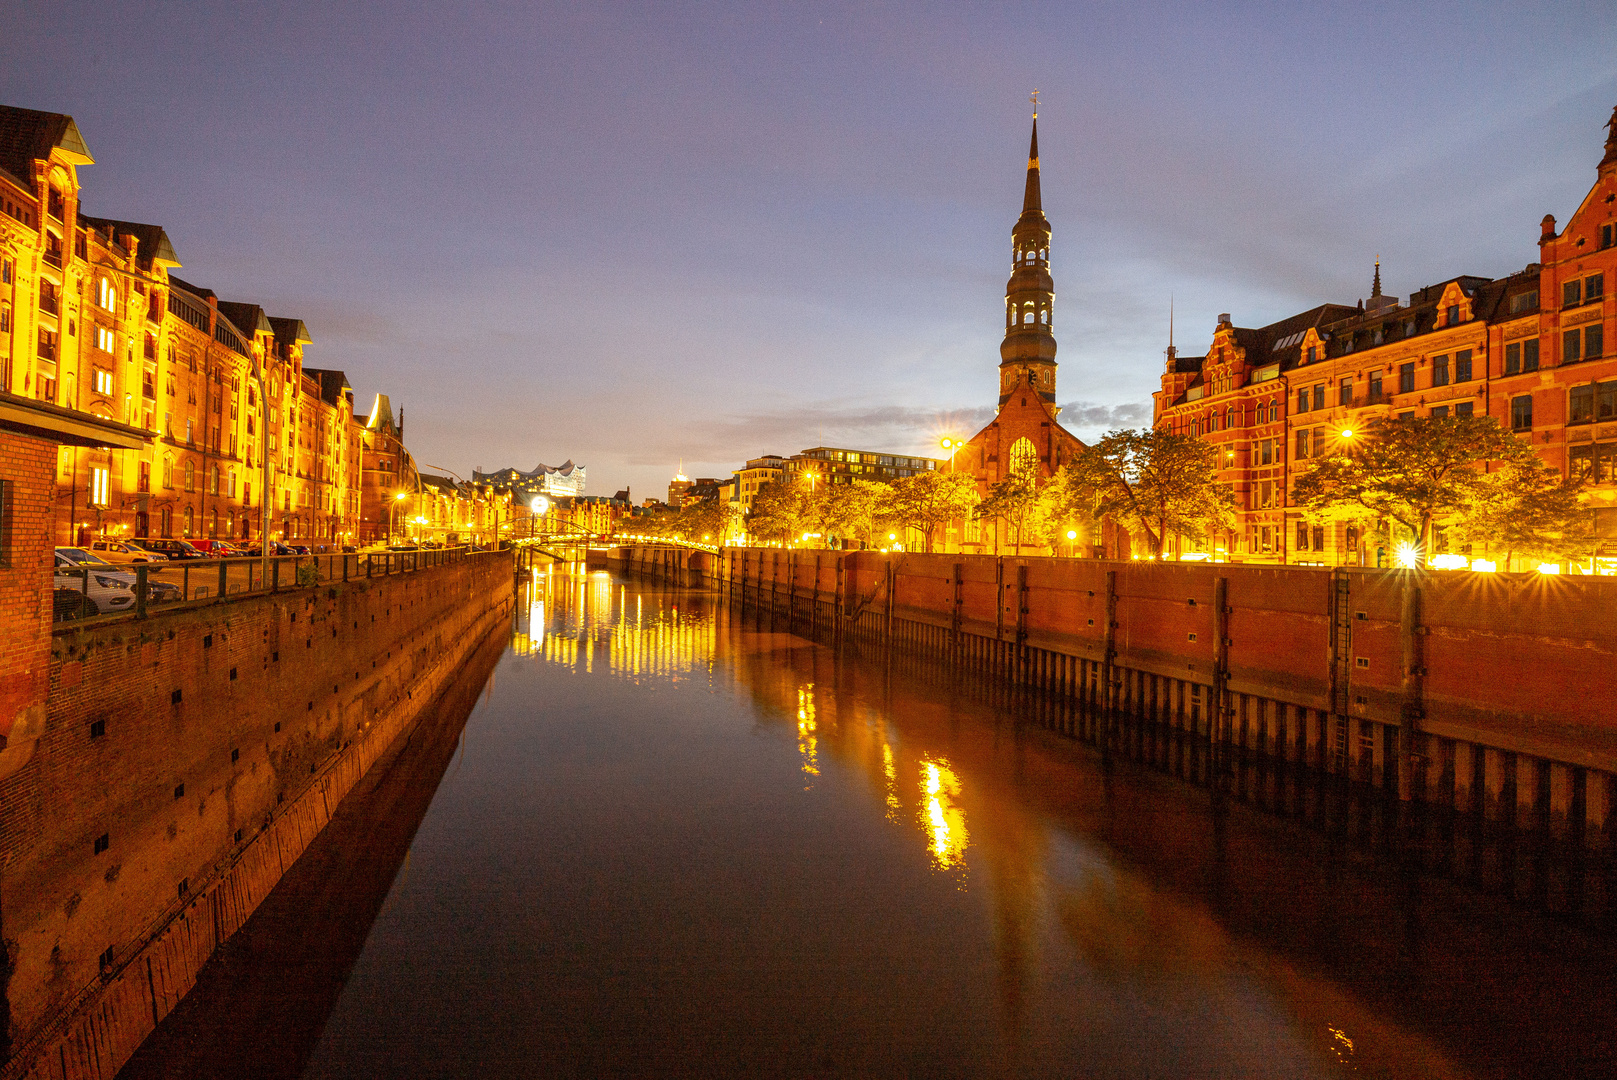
(890, 774)
(807, 743)
(578, 619)
(942, 817)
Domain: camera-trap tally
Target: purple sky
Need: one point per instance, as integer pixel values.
(631, 234)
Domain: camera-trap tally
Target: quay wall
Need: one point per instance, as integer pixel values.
(186, 761)
(1477, 692)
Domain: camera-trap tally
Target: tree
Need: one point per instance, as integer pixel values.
(857, 509)
(779, 512)
(929, 499)
(1528, 509)
(1018, 501)
(1155, 483)
(1433, 471)
(709, 520)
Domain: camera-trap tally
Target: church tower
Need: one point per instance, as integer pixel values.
(1029, 348)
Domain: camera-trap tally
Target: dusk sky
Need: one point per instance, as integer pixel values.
(632, 235)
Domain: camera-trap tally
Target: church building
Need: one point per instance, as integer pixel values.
(1024, 433)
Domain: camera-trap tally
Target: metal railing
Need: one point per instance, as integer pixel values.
(77, 593)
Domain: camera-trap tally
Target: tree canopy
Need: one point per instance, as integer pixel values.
(1465, 474)
(927, 500)
(1019, 501)
(1155, 483)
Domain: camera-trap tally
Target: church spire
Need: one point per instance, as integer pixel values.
(1030, 198)
(1028, 353)
(1375, 286)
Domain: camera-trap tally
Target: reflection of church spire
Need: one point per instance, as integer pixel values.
(1030, 345)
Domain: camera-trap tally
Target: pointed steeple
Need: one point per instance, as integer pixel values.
(1030, 198)
(1375, 286)
(1611, 141)
(1028, 353)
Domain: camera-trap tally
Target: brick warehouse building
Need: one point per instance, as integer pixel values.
(1024, 428)
(94, 322)
(1529, 349)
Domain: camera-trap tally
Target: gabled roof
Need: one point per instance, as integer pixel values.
(27, 136)
(154, 243)
(290, 331)
(332, 384)
(248, 318)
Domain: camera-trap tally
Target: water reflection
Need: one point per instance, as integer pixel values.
(686, 841)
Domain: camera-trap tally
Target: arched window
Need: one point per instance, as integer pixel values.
(168, 474)
(166, 522)
(213, 522)
(190, 521)
(1024, 457)
(190, 477)
(213, 481)
(106, 294)
(231, 490)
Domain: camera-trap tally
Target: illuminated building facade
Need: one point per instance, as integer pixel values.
(1532, 349)
(835, 465)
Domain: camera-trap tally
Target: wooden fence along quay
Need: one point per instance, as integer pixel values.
(1458, 716)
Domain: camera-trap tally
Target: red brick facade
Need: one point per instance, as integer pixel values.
(27, 469)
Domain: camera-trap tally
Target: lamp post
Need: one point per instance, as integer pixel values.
(393, 515)
(539, 507)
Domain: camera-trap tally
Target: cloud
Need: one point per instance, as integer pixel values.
(1088, 416)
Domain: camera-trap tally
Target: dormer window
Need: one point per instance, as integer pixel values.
(1452, 318)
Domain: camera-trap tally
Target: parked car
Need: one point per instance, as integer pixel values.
(125, 551)
(106, 592)
(300, 549)
(216, 549)
(174, 549)
(276, 548)
(69, 559)
(71, 604)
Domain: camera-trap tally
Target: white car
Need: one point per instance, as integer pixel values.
(108, 575)
(103, 592)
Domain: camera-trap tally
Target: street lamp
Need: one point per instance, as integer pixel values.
(393, 515)
(540, 506)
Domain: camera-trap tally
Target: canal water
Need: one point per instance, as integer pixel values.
(655, 836)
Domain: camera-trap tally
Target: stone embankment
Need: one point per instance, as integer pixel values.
(187, 761)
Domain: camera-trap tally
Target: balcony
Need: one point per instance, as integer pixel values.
(50, 305)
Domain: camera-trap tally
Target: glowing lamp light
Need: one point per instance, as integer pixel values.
(1347, 433)
(401, 496)
(1484, 566)
(1549, 568)
(540, 505)
(1072, 534)
(1449, 561)
(1407, 556)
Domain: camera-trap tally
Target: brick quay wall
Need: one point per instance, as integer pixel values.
(186, 762)
(1475, 694)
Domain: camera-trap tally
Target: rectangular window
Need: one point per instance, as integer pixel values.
(1593, 341)
(1267, 534)
(1513, 358)
(1571, 293)
(1375, 386)
(1530, 354)
(1581, 408)
(1319, 396)
(1462, 366)
(1302, 444)
(1302, 401)
(98, 486)
(1319, 537)
(1581, 462)
(102, 380)
(1606, 236)
(1440, 370)
(1312, 353)
(1523, 302)
(144, 481)
(1606, 401)
(1344, 393)
(1440, 412)
(1571, 346)
(104, 340)
(1266, 450)
(1453, 314)
(1302, 536)
(1464, 408)
(1594, 287)
(1266, 494)
(1521, 413)
(1406, 378)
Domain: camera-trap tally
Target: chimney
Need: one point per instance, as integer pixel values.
(1548, 229)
